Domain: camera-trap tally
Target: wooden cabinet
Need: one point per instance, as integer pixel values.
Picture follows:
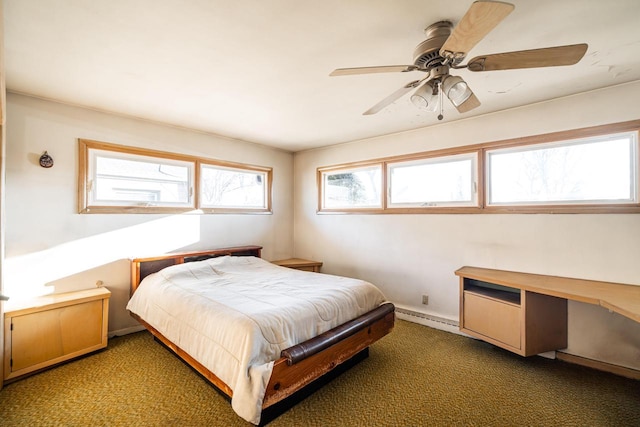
(300, 264)
(54, 328)
(515, 319)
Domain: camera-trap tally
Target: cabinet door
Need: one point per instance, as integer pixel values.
(491, 318)
(44, 336)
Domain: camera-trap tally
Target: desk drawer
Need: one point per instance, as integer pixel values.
(493, 318)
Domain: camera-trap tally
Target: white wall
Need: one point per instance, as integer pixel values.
(50, 247)
(409, 255)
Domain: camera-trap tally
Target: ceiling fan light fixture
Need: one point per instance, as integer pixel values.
(426, 97)
(456, 89)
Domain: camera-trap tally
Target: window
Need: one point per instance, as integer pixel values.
(232, 188)
(435, 181)
(122, 179)
(589, 170)
(585, 171)
(118, 179)
(358, 187)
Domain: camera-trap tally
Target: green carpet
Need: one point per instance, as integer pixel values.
(416, 376)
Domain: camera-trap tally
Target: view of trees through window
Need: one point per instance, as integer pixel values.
(223, 187)
(592, 170)
(355, 188)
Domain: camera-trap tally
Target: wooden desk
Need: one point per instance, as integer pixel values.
(300, 264)
(620, 298)
(527, 313)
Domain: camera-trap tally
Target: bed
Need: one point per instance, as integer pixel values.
(268, 331)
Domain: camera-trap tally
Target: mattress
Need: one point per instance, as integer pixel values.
(234, 315)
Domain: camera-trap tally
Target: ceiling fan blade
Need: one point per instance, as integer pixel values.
(480, 19)
(468, 105)
(545, 57)
(394, 96)
(371, 70)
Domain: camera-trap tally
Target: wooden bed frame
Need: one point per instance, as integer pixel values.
(299, 365)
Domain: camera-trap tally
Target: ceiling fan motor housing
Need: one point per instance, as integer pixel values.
(427, 54)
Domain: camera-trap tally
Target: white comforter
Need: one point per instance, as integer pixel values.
(235, 315)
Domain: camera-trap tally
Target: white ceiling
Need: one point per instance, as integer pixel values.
(259, 70)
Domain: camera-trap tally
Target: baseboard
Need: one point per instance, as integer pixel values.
(601, 366)
(126, 331)
(426, 319)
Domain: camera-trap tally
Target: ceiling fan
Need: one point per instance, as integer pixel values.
(446, 47)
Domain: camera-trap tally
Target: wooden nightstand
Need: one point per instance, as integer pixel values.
(300, 264)
(53, 328)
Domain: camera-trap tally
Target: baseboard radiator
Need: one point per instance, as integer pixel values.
(427, 319)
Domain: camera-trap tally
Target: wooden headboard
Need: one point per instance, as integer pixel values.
(142, 267)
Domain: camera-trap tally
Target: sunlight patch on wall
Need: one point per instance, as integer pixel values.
(28, 275)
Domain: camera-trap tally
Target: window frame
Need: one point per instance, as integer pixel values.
(345, 169)
(633, 166)
(433, 160)
(601, 131)
(265, 171)
(92, 171)
(87, 206)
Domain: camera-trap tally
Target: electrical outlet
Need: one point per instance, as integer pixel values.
(425, 299)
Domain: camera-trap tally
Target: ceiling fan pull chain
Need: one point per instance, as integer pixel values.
(440, 116)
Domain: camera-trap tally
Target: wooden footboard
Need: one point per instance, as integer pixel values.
(288, 377)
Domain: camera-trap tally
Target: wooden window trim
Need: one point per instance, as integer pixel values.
(473, 204)
(84, 145)
(482, 208)
(266, 170)
(351, 166)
